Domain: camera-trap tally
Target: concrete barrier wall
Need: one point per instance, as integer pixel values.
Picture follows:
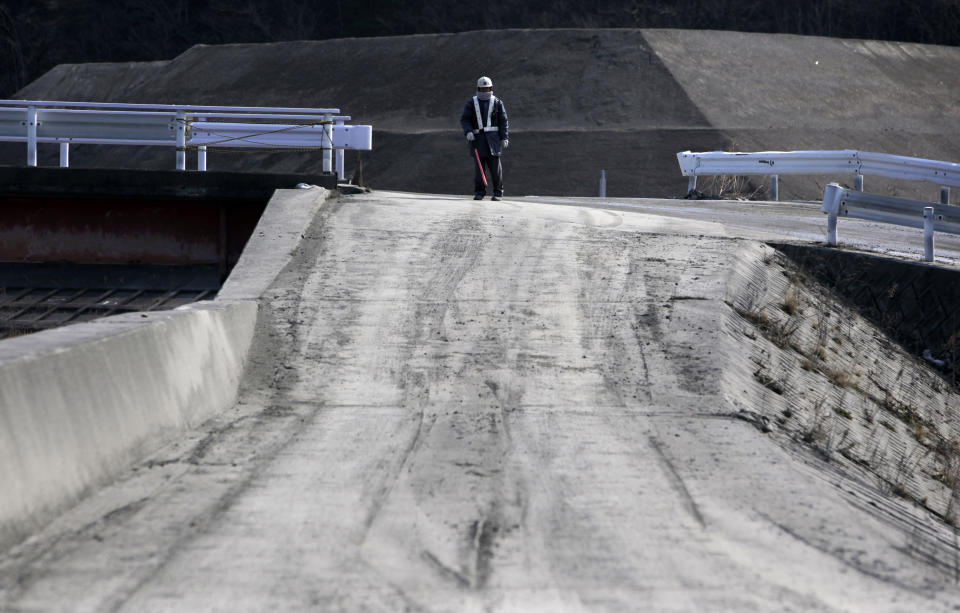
(278, 234)
(80, 404)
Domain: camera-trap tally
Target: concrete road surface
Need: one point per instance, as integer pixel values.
(474, 406)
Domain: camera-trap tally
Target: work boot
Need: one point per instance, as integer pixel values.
(478, 196)
(495, 198)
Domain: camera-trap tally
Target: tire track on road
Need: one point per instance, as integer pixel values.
(676, 481)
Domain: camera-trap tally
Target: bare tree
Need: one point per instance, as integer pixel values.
(14, 67)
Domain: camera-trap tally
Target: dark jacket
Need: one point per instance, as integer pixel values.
(487, 143)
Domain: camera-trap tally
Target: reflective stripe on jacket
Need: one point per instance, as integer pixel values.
(490, 129)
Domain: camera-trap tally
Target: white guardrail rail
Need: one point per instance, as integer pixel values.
(181, 127)
(847, 161)
(840, 202)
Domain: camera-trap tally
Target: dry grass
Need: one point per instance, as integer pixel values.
(774, 385)
(856, 382)
(791, 300)
(732, 187)
(838, 376)
(778, 332)
(818, 431)
(906, 413)
(842, 412)
(13, 333)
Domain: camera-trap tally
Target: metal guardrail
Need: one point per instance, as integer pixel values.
(182, 127)
(847, 161)
(840, 202)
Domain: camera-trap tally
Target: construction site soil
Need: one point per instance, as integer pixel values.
(622, 100)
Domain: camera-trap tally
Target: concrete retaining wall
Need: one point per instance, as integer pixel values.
(911, 301)
(79, 404)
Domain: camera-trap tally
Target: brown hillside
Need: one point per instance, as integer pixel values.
(579, 100)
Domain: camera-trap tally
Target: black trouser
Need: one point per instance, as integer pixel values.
(494, 175)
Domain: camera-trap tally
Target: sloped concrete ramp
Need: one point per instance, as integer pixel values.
(462, 406)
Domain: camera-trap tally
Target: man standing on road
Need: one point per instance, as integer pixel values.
(484, 122)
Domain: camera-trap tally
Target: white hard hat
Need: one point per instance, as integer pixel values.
(484, 82)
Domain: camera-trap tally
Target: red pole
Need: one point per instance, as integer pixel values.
(476, 155)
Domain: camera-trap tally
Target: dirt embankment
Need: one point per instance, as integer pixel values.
(579, 100)
(831, 386)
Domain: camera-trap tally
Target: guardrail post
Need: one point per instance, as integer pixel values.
(944, 194)
(326, 143)
(340, 154)
(858, 183)
(774, 187)
(692, 184)
(64, 155)
(832, 229)
(181, 140)
(928, 234)
(603, 183)
(31, 136)
(202, 158)
(831, 206)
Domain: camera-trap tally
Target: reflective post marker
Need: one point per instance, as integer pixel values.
(340, 172)
(181, 128)
(32, 136)
(326, 143)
